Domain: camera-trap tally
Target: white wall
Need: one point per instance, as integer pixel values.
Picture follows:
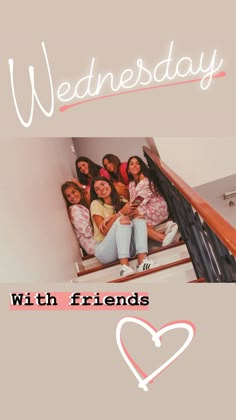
(38, 243)
(199, 160)
(96, 148)
(213, 192)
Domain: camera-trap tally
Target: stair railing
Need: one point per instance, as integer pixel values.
(210, 239)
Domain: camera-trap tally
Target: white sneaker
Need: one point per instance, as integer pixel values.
(146, 265)
(125, 271)
(170, 232)
(169, 226)
(177, 236)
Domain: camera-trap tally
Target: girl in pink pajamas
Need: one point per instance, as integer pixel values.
(153, 207)
(79, 215)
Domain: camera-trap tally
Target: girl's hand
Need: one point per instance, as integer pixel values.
(76, 181)
(118, 184)
(103, 225)
(128, 209)
(134, 213)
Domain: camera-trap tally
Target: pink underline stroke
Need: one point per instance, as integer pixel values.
(66, 107)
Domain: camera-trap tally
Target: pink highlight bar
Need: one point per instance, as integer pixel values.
(66, 107)
(83, 301)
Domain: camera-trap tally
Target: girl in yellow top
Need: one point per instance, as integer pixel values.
(119, 231)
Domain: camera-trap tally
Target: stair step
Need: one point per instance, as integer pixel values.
(153, 271)
(178, 274)
(92, 264)
(165, 259)
(201, 280)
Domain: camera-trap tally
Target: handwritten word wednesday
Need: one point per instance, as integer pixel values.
(170, 71)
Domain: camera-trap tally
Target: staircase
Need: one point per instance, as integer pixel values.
(173, 265)
(208, 253)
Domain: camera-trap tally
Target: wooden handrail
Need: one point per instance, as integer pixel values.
(223, 229)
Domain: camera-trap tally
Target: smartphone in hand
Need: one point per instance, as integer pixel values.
(137, 201)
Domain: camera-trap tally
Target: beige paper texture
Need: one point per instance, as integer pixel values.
(62, 365)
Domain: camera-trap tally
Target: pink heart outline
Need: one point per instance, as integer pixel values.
(141, 376)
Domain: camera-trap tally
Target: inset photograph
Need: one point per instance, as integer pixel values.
(113, 210)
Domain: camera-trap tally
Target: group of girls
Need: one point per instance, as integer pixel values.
(107, 219)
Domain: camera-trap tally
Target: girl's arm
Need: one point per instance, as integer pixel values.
(76, 181)
(86, 193)
(80, 219)
(105, 224)
(143, 189)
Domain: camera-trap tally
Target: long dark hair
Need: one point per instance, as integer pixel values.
(115, 198)
(143, 170)
(115, 176)
(93, 170)
(71, 184)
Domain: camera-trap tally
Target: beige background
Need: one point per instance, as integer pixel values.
(173, 111)
(68, 364)
(51, 364)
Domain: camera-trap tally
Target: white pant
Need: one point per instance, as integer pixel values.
(123, 241)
